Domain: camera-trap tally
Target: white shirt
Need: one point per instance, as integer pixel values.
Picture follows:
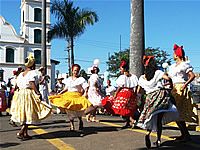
(110, 90)
(23, 81)
(75, 85)
(153, 84)
(178, 73)
(94, 79)
(125, 81)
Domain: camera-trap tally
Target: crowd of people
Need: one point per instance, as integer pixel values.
(158, 97)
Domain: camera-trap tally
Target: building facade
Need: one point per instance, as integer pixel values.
(15, 48)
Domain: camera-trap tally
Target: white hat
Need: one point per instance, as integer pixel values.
(60, 77)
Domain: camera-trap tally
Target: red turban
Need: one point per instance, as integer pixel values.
(14, 72)
(123, 63)
(178, 50)
(146, 59)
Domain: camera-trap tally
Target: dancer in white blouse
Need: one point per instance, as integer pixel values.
(73, 97)
(158, 108)
(182, 75)
(94, 93)
(124, 101)
(27, 107)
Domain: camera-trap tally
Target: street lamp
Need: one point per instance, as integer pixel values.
(1, 74)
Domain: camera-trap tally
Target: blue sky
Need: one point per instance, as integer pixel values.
(166, 22)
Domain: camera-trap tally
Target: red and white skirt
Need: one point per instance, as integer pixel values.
(124, 104)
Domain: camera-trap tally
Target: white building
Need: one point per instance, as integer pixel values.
(15, 48)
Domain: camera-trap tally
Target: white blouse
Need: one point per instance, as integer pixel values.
(75, 85)
(23, 81)
(94, 79)
(153, 84)
(110, 90)
(178, 73)
(125, 81)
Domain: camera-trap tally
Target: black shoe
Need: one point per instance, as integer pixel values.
(157, 143)
(12, 123)
(147, 141)
(127, 125)
(26, 138)
(20, 136)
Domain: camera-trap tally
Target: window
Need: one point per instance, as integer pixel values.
(9, 55)
(37, 14)
(37, 36)
(37, 55)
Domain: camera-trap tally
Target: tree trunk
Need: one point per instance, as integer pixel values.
(137, 37)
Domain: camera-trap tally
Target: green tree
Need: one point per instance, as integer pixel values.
(115, 59)
(161, 56)
(113, 63)
(71, 22)
(83, 74)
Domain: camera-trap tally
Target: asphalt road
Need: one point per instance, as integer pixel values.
(53, 133)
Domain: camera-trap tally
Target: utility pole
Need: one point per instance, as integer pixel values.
(44, 53)
(68, 55)
(108, 60)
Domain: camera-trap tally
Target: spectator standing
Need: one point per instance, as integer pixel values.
(43, 85)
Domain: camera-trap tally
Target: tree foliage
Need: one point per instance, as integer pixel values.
(70, 23)
(83, 74)
(113, 63)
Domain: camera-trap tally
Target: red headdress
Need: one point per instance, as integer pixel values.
(146, 59)
(123, 63)
(14, 72)
(76, 65)
(178, 50)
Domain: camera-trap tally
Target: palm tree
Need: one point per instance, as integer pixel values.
(71, 22)
(137, 37)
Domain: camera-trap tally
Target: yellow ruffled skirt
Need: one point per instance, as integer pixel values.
(184, 103)
(27, 107)
(70, 100)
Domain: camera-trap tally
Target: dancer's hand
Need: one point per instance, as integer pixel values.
(183, 87)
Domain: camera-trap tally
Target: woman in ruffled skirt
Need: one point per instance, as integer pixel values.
(182, 75)
(158, 108)
(124, 101)
(73, 97)
(94, 93)
(27, 107)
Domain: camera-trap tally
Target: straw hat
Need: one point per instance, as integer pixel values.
(60, 77)
(30, 61)
(41, 68)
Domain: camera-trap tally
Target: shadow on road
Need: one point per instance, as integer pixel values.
(6, 145)
(58, 134)
(77, 133)
(194, 144)
(95, 130)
